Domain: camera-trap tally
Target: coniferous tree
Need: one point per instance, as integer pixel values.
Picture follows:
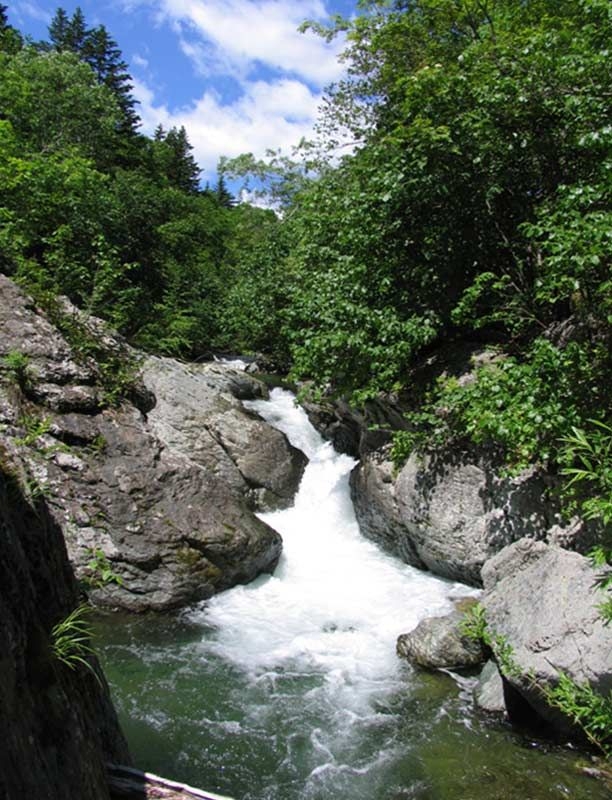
(76, 33)
(174, 159)
(97, 48)
(58, 30)
(10, 38)
(187, 170)
(224, 197)
(103, 55)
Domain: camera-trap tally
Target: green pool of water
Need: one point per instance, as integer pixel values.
(192, 715)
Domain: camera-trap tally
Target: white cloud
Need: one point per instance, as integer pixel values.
(268, 115)
(253, 44)
(31, 10)
(139, 61)
(235, 36)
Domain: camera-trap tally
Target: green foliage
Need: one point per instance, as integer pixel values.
(91, 210)
(17, 366)
(587, 456)
(34, 427)
(10, 39)
(100, 571)
(54, 103)
(588, 709)
(95, 47)
(171, 154)
(71, 638)
(477, 198)
(523, 407)
(250, 318)
(474, 624)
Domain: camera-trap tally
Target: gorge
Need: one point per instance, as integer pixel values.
(288, 686)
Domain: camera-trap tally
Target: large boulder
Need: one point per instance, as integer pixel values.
(451, 511)
(198, 413)
(542, 600)
(158, 495)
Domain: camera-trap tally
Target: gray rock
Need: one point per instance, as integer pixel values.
(199, 414)
(375, 501)
(356, 432)
(437, 642)
(543, 601)
(59, 728)
(452, 511)
(166, 497)
(489, 691)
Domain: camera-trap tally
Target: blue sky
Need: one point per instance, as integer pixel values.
(236, 73)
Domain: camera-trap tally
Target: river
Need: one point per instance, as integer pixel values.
(290, 687)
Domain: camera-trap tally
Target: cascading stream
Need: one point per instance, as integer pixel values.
(289, 688)
(336, 603)
(326, 620)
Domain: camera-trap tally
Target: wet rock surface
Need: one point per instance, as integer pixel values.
(438, 643)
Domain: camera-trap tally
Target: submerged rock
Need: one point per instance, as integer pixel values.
(543, 601)
(157, 497)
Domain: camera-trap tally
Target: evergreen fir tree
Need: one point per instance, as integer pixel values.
(58, 30)
(174, 159)
(224, 197)
(97, 48)
(10, 38)
(77, 33)
(103, 55)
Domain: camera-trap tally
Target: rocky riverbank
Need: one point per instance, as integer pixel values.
(156, 491)
(455, 513)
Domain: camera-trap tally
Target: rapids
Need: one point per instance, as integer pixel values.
(290, 688)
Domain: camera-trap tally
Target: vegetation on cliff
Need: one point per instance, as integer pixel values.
(473, 204)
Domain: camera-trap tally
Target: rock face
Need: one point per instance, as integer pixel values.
(198, 414)
(161, 494)
(437, 642)
(489, 691)
(58, 725)
(452, 512)
(356, 432)
(543, 601)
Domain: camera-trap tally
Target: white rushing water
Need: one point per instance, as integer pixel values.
(290, 689)
(327, 620)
